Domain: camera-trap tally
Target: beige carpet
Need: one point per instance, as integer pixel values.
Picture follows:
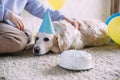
(25, 66)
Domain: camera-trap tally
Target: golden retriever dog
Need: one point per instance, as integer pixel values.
(90, 32)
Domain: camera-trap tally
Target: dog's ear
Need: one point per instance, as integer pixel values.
(63, 41)
(64, 35)
(55, 47)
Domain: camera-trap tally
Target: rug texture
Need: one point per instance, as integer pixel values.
(25, 66)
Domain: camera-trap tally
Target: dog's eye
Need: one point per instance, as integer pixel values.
(46, 39)
(36, 38)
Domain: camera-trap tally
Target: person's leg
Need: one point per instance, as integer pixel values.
(12, 40)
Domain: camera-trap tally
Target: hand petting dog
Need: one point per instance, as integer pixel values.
(72, 22)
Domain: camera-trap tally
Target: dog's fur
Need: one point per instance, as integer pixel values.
(91, 32)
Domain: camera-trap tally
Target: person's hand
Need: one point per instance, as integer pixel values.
(16, 20)
(72, 21)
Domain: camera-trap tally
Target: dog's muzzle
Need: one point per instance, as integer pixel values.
(36, 50)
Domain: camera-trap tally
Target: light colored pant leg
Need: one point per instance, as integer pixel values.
(11, 39)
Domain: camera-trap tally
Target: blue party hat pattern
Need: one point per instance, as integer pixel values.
(47, 26)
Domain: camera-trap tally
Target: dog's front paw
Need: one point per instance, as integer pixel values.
(30, 43)
(31, 39)
(29, 46)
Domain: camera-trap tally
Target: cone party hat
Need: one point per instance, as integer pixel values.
(47, 26)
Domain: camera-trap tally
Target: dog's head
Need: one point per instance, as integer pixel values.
(49, 42)
(57, 42)
(43, 43)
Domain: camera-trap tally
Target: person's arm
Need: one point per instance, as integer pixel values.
(2, 12)
(72, 22)
(37, 9)
(15, 19)
(8, 14)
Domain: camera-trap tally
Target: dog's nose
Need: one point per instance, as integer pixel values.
(36, 49)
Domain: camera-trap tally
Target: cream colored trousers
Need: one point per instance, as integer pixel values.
(12, 40)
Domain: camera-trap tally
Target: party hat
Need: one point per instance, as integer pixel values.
(47, 26)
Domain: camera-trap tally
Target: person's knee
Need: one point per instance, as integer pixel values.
(11, 39)
(16, 42)
(20, 43)
(19, 46)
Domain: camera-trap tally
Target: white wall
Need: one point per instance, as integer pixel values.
(99, 9)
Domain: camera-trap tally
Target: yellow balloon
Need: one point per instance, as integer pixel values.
(56, 4)
(114, 29)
